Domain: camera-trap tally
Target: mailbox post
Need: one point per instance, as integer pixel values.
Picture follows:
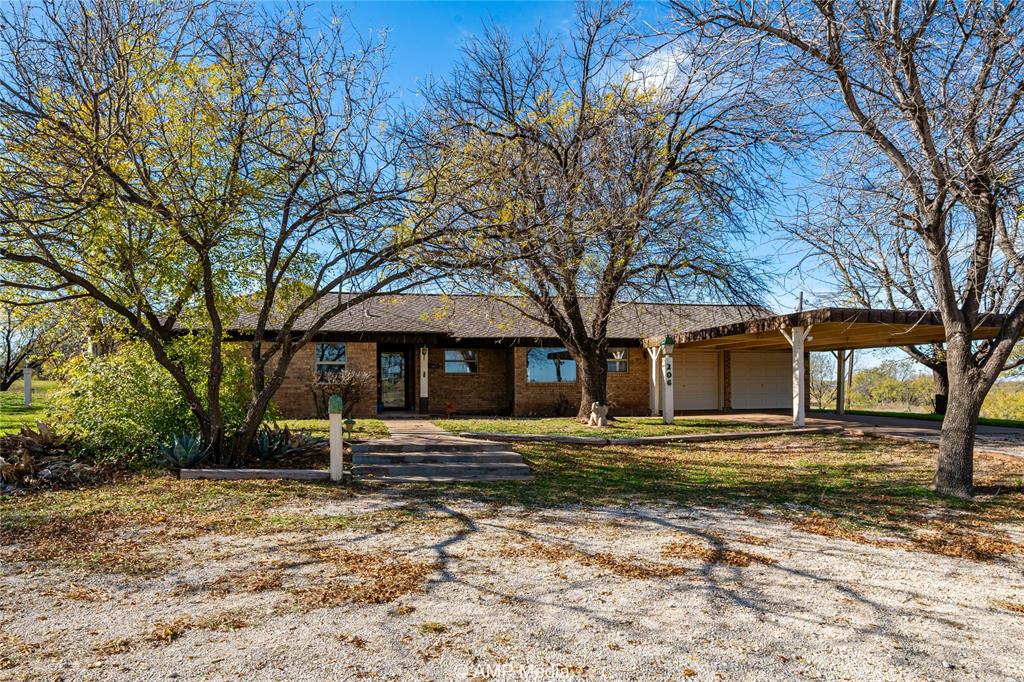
(26, 379)
(668, 400)
(334, 410)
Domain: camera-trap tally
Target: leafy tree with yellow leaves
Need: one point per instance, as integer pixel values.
(190, 165)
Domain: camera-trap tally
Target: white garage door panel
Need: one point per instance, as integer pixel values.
(761, 381)
(696, 380)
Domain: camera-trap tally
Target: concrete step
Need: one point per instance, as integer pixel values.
(453, 446)
(445, 479)
(436, 457)
(456, 471)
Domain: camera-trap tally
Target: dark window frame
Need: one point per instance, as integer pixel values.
(551, 350)
(624, 360)
(325, 366)
(472, 364)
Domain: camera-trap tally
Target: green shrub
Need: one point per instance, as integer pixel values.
(121, 405)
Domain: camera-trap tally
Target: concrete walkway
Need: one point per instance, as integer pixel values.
(1001, 439)
(419, 452)
(421, 432)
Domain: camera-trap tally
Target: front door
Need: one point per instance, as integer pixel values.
(392, 368)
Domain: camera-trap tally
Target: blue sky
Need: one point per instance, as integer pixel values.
(424, 39)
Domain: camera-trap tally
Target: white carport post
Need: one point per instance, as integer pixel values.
(841, 382)
(654, 354)
(796, 337)
(668, 409)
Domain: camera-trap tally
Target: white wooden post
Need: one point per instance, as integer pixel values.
(841, 382)
(337, 438)
(424, 372)
(796, 337)
(668, 401)
(655, 384)
(26, 380)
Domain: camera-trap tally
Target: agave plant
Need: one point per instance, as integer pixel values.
(183, 451)
(271, 443)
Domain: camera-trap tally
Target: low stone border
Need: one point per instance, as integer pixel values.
(647, 440)
(256, 474)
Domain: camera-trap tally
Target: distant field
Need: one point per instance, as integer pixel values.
(14, 415)
(1004, 406)
(930, 416)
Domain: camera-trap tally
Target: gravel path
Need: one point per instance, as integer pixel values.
(594, 594)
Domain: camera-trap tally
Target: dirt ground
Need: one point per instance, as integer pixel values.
(457, 589)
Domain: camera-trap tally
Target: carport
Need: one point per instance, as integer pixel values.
(821, 329)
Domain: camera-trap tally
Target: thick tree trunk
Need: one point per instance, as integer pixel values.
(592, 375)
(940, 375)
(967, 389)
(955, 472)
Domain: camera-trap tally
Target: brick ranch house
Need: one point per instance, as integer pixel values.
(478, 355)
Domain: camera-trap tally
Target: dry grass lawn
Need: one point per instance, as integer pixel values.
(783, 557)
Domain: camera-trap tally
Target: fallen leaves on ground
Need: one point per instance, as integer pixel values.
(92, 542)
(168, 631)
(709, 553)
(77, 593)
(626, 567)
(114, 646)
(262, 579)
(946, 539)
(1008, 605)
(385, 577)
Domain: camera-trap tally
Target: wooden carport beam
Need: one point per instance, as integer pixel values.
(796, 337)
(835, 328)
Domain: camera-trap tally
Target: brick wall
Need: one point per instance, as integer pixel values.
(488, 391)
(628, 391)
(295, 399)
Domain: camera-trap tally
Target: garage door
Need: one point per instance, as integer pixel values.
(696, 380)
(762, 381)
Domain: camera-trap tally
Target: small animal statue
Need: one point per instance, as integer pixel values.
(598, 415)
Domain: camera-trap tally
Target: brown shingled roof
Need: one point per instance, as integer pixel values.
(469, 316)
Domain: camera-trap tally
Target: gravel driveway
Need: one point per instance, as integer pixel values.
(473, 591)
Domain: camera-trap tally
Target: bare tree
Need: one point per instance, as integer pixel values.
(822, 377)
(28, 338)
(920, 102)
(596, 178)
(872, 262)
(856, 235)
(200, 167)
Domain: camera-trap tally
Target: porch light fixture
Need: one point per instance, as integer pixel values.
(668, 344)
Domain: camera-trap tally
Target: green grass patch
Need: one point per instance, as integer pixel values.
(364, 428)
(621, 427)
(14, 414)
(927, 416)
